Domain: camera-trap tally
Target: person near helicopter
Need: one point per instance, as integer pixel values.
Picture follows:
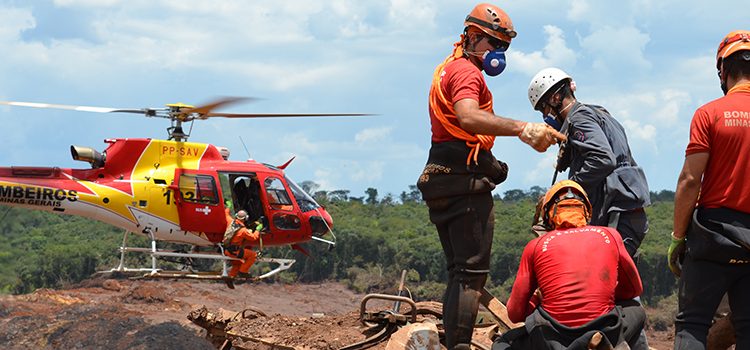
(461, 170)
(237, 242)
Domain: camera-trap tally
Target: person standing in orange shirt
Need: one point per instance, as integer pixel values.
(461, 171)
(711, 235)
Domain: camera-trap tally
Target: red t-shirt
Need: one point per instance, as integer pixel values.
(461, 79)
(580, 272)
(722, 128)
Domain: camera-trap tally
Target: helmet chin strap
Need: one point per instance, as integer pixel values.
(567, 106)
(558, 113)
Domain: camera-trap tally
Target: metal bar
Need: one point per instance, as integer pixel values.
(363, 305)
(397, 304)
(387, 330)
(284, 264)
(180, 255)
(121, 267)
(323, 240)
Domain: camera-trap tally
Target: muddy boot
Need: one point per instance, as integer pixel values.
(229, 281)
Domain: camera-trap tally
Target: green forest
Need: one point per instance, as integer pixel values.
(377, 238)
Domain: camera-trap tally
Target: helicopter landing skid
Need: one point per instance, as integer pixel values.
(284, 264)
(156, 254)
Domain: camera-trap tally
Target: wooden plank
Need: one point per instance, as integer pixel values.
(498, 310)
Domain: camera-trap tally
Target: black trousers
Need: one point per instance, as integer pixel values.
(632, 226)
(704, 282)
(702, 285)
(542, 332)
(465, 225)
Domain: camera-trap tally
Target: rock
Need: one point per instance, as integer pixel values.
(112, 285)
(416, 336)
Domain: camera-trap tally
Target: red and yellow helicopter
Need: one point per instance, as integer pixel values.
(173, 191)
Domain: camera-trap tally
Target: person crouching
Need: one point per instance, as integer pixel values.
(574, 281)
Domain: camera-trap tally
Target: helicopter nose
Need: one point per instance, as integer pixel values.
(321, 223)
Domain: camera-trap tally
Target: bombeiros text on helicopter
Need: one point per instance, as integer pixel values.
(174, 191)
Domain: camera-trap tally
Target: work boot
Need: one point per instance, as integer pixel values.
(229, 281)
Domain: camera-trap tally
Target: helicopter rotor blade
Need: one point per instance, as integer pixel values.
(225, 101)
(75, 108)
(285, 115)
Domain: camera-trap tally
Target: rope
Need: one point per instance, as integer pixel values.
(437, 99)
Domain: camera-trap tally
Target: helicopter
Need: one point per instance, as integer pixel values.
(174, 191)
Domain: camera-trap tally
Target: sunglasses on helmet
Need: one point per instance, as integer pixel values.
(497, 43)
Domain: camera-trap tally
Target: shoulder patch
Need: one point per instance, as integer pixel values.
(578, 135)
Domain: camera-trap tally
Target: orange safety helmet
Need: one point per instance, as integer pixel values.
(491, 20)
(735, 41)
(562, 206)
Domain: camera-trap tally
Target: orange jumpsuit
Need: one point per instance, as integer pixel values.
(242, 238)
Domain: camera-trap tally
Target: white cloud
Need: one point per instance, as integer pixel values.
(87, 3)
(365, 172)
(326, 179)
(617, 49)
(15, 21)
(578, 10)
(638, 131)
(662, 107)
(411, 15)
(543, 171)
(554, 53)
(299, 143)
(372, 135)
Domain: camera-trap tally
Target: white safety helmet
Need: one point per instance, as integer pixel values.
(241, 215)
(543, 81)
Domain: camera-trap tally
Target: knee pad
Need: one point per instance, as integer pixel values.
(472, 279)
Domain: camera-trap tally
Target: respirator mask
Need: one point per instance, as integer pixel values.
(493, 62)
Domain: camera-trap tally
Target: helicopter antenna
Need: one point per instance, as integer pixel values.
(245, 146)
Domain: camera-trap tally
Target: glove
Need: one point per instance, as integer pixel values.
(675, 255)
(259, 227)
(540, 136)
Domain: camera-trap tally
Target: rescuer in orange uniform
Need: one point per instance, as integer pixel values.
(236, 240)
(565, 297)
(712, 231)
(461, 171)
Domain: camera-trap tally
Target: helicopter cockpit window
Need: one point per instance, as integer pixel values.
(198, 189)
(305, 202)
(277, 195)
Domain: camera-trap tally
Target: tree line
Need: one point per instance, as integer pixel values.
(414, 196)
(376, 238)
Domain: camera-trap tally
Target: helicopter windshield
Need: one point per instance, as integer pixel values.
(306, 203)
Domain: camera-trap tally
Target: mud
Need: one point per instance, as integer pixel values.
(105, 313)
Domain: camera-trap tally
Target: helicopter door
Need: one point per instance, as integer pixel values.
(198, 203)
(281, 210)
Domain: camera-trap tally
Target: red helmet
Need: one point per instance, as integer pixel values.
(491, 20)
(737, 40)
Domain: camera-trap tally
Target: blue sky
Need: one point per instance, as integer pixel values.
(651, 63)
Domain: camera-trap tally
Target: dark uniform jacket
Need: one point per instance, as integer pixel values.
(599, 158)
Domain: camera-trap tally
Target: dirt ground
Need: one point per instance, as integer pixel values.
(103, 313)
